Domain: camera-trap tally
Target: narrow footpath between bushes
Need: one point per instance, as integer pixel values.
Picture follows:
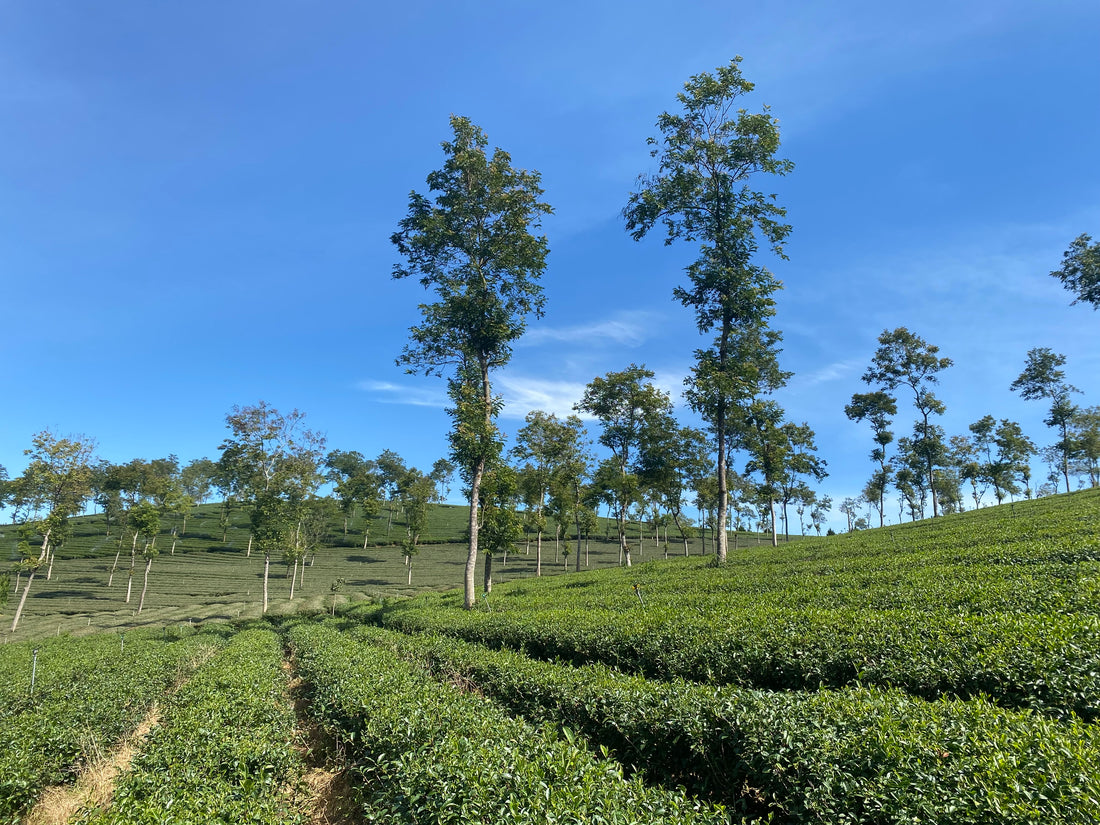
(96, 783)
(329, 798)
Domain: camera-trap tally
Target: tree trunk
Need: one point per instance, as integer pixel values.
(22, 601)
(775, 534)
(248, 552)
(722, 548)
(538, 553)
(488, 573)
(130, 577)
(114, 567)
(469, 596)
(366, 537)
(409, 563)
(145, 584)
(267, 568)
(294, 578)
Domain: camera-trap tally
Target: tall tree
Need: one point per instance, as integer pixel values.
(473, 244)
(905, 359)
(628, 407)
(54, 486)
(701, 193)
(1080, 271)
(1043, 377)
(878, 408)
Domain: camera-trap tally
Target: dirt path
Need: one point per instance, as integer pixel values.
(329, 798)
(57, 805)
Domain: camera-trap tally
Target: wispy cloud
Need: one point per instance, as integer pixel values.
(831, 372)
(386, 392)
(628, 329)
(522, 394)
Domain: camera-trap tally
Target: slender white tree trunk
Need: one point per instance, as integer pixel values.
(267, 567)
(293, 578)
(145, 585)
(130, 577)
(22, 602)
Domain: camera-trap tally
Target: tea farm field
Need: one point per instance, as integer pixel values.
(946, 671)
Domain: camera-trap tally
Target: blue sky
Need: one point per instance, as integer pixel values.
(196, 201)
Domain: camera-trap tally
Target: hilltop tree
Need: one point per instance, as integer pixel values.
(1013, 457)
(551, 447)
(145, 522)
(671, 461)
(877, 408)
(701, 193)
(197, 479)
(358, 486)
(1080, 271)
(905, 359)
(415, 492)
(628, 407)
(1085, 436)
(801, 460)
(273, 461)
(473, 245)
(1043, 377)
(54, 486)
(499, 522)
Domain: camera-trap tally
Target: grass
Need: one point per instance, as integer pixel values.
(207, 579)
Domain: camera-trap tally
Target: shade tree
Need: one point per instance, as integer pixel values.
(55, 484)
(709, 153)
(878, 409)
(1044, 378)
(473, 241)
(904, 359)
(629, 408)
(273, 462)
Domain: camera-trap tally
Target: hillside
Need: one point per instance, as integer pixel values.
(946, 671)
(207, 578)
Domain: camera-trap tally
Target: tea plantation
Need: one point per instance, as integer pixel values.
(946, 671)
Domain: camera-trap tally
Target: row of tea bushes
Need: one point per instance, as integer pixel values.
(223, 752)
(851, 756)
(89, 693)
(430, 753)
(1047, 663)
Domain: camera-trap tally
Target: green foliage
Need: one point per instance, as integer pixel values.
(1080, 271)
(985, 604)
(429, 753)
(223, 751)
(853, 756)
(88, 694)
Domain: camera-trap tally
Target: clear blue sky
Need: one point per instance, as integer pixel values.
(196, 201)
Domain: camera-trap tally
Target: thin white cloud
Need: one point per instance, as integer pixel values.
(831, 372)
(385, 392)
(628, 329)
(522, 394)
